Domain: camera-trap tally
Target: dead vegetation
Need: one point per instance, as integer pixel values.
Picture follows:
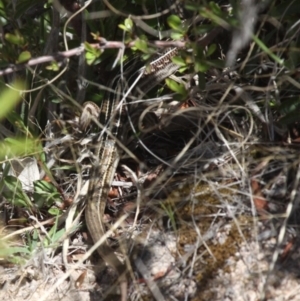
(209, 176)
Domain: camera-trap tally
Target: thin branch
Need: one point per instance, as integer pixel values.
(61, 56)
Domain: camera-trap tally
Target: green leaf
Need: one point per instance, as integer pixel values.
(201, 66)
(13, 184)
(44, 187)
(123, 27)
(90, 58)
(15, 147)
(211, 49)
(174, 22)
(174, 86)
(170, 212)
(128, 24)
(179, 61)
(45, 194)
(53, 66)
(263, 47)
(182, 69)
(17, 121)
(15, 39)
(176, 35)
(15, 193)
(92, 53)
(51, 232)
(141, 45)
(24, 56)
(57, 236)
(10, 97)
(88, 47)
(8, 251)
(219, 20)
(191, 6)
(54, 211)
(145, 56)
(33, 240)
(215, 8)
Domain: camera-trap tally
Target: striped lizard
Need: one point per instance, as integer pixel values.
(106, 150)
